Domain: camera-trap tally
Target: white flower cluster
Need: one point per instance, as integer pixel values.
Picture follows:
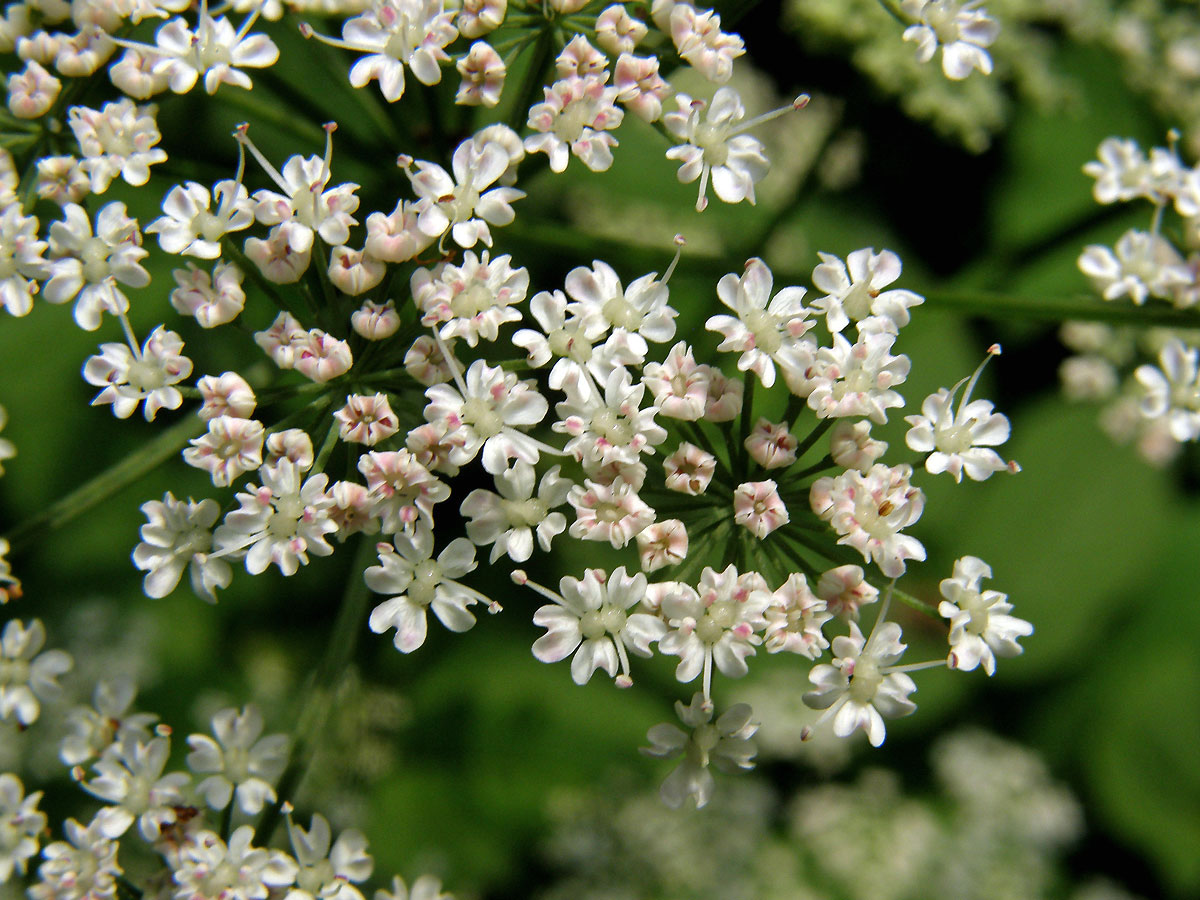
(121, 758)
(463, 394)
(1156, 404)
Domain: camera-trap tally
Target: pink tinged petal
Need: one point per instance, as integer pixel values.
(410, 623)
(450, 608)
(560, 640)
(256, 51)
(593, 655)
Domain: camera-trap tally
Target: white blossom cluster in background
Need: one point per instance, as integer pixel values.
(195, 819)
(992, 822)
(748, 503)
(1149, 379)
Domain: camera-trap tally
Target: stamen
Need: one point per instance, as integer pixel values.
(129, 336)
(451, 363)
(249, 23)
(306, 31)
(993, 350)
(326, 172)
(680, 242)
(879, 619)
(519, 577)
(799, 103)
(916, 667)
(242, 136)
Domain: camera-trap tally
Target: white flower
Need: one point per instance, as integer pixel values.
(462, 204)
(959, 441)
(232, 447)
(482, 71)
(427, 887)
(129, 377)
(1122, 172)
(679, 384)
(32, 91)
(721, 623)
(26, 674)
(962, 30)
(726, 743)
(608, 512)
(354, 272)
(575, 118)
(591, 619)
(794, 619)
(869, 509)
(486, 415)
(213, 50)
(116, 140)
(609, 428)
(980, 627)
(279, 523)
(1173, 390)
(207, 868)
(771, 445)
(366, 420)
(129, 774)
(701, 43)
(470, 301)
(21, 262)
(860, 687)
(758, 507)
(858, 293)
(640, 309)
(83, 867)
(211, 300)
(107, 721)
(90, 265)
(1141, 265)
(715, 145)
(850, 380)
(305, 204)
(21, 824)
(395, 34)
(765, 327)
(419, 583)
(325, 872)
(190, 227)
(242, 764)
(178, 535)
(401, 489)
(509, 519)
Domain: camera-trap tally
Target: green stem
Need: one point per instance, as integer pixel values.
(908, 599)
(320, 691)
(1081, 307)
(114, 478)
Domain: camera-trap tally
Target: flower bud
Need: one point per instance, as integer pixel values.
(375, 321)
(354, 272)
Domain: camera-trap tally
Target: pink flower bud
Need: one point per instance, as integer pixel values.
(852, 447)
(689, 469)
(845, 592)
(291, 444)
(771, 446)
(724, 398)
(757, 505)
(32, 91)
(375, 321)
(323, 357)
(662, 544)
(225, 395)
(366, 420)
(354, 272)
